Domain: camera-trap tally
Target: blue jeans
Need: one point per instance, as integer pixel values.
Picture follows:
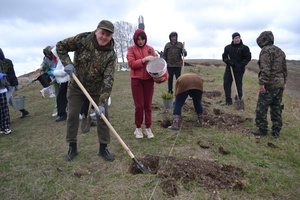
(197, 101)
(172, 71)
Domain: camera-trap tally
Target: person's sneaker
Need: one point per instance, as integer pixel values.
(24, 114)
(149, 133)
(138, 133)
(106, 155)
(42, 93)
(6, 131)
(52, 96)
(71, 153)
(259, 133)
(226, 104)
(54, 114)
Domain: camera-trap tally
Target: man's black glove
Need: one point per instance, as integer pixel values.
(16, 88)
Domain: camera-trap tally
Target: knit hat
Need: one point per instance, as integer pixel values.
(106, 25)
(235, 34)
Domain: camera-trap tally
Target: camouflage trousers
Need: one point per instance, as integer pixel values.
(272, 98)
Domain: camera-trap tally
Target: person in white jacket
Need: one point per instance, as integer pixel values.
(62, 78)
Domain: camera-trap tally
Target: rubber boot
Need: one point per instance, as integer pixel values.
(200, 119)
(175, 125)
(72, 152)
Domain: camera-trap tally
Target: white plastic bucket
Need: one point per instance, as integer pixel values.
(157, 68)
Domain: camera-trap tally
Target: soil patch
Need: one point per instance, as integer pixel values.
(211, 175)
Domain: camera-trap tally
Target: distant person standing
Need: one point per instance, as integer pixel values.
(4, 112)
(237, 55)
(62, 78)
(142, 84)
(188, 84)
(48, 66)
(272, 81)
(94, 65)
(173, 53)
(9, 70)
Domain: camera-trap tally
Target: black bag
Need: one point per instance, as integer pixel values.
(44, 79)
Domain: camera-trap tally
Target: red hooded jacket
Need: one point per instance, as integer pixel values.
(135, 55)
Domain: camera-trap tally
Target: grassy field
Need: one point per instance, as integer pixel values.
(32, 165)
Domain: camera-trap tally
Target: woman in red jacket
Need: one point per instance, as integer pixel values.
(142, 84)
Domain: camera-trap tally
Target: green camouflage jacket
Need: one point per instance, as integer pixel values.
(272, 62)
(94, 65)
(173, 54)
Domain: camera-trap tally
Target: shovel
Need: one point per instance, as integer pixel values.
(238, 103)
(86, 121)
(138, 163)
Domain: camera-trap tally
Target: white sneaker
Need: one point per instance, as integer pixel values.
(93, 114)
(52, 96)
(6, 131)
(42, 93)
(149, 133)
(138, 133)
(54, 114)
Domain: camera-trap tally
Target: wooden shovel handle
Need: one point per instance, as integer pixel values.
(234, 83)
(102, 116)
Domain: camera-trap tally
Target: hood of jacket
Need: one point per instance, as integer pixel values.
(265, 38)
(136, 34)
(1, 55)
(173, 34)
(47, 49)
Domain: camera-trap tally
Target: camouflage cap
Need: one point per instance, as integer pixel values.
(106, 25)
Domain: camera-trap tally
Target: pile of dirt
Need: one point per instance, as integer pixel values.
(210, 175)
(212, 118)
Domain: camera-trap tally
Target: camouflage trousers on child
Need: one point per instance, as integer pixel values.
(272, 98)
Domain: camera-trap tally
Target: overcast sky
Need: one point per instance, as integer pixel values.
(206, 26)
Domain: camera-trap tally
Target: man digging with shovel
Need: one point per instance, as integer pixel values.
(236, 56)
(95, 62)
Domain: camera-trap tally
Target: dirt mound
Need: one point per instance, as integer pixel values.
(211, 175)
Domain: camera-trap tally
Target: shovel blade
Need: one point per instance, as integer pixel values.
(86, 124)
(239, 104)
(140, 165)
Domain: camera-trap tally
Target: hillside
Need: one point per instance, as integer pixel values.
(293, 72)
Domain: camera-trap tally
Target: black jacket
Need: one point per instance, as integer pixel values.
(8, 69)
(236, 55)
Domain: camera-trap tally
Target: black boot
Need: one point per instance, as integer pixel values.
(72, 152)
(259, 133)
(61, 118)
(103, 151)
(24, 113)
